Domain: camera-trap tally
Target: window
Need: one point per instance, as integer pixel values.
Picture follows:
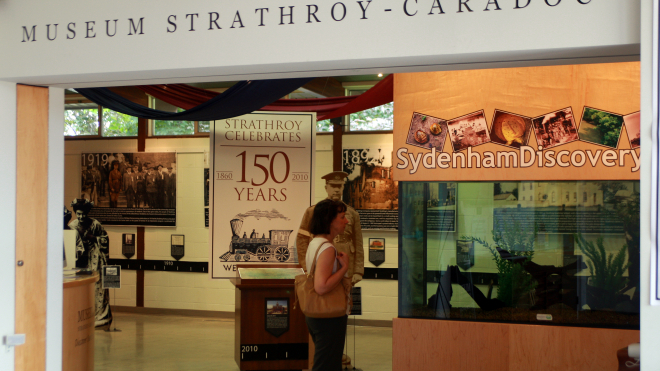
(324, 126)
(175, 127)
(377, 118)
(531, 198)
(117, 124)
(584, 196)
(568, 196)
(574, 196)
(83, 120)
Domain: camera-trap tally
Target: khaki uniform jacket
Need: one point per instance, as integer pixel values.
(350, 242)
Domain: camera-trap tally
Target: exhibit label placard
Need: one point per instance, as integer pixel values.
(261, 184)
(136, 189)
(551, 130)
(277, 316)
(111, 277)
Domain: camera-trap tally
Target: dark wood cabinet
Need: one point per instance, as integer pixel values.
(270, 334)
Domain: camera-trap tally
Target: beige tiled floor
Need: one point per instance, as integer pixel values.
(167, 343)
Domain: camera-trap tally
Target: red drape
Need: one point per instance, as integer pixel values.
(187, 97)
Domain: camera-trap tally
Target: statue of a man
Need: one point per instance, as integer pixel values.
(350, 242)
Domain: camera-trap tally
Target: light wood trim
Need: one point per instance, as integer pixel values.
(437, 345)
(75, 281)
(31, 225)
(78, 318)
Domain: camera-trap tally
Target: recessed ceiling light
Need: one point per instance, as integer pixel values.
(380, 75)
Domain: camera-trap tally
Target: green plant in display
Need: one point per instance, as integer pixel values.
(514, 281)
(606, 270)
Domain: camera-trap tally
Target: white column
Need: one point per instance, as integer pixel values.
(55, 227)
(7, 218)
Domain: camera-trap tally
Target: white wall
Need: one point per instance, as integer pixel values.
(352, 45)
(7, 218)
(177, 290)
(55, 291)
(650, 316)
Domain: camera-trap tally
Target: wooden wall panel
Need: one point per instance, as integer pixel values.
(543, 348)
(420, 345)
(448, 345)
(31, 225)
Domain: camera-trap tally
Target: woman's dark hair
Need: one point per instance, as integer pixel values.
(324, 213)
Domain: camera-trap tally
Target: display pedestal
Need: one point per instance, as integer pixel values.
(269, 333)
(78, 323)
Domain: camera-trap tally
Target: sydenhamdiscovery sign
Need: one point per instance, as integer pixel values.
(124, 39)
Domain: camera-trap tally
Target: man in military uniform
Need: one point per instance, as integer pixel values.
(350, 242)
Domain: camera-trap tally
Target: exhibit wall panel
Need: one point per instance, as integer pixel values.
(8, 217)
(194, 291)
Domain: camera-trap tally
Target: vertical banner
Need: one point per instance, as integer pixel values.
(178, 246)
(261, 184)
(128, 245)
(377, 251)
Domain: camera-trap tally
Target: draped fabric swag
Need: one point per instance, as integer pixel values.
(242, 98)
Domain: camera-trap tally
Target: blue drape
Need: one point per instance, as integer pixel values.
(242, 98)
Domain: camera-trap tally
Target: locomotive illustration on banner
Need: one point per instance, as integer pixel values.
(275, 247)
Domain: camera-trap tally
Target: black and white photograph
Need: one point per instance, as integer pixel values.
(555, 128)
(510, 129)
(132, 182)
(470, 130)
(427, 132)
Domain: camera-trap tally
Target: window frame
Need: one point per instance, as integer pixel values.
(99, 134)
(151, 124)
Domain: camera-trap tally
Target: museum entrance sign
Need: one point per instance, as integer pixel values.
(50, 43)
(261, 182)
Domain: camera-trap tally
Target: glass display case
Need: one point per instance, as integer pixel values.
(557, 253)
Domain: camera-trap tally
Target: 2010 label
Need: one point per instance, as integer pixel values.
(249, 348)
(298, 177)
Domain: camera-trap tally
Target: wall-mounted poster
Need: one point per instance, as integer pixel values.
(261, 184)
(369, 187)
(130, 188)
(206, 197)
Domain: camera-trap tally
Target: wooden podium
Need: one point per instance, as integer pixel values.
(269, 333)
